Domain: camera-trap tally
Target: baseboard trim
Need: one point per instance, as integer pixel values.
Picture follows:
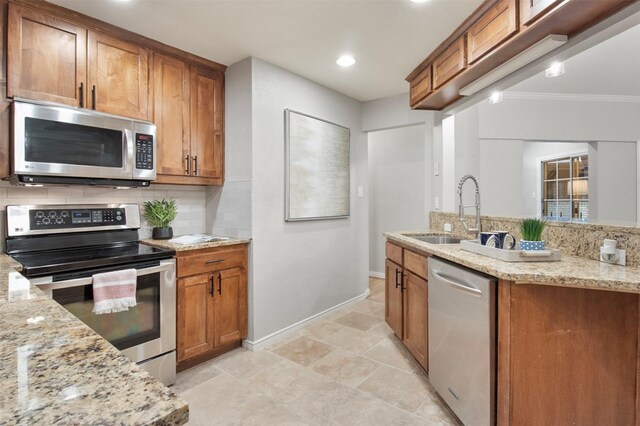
(376, 274)
(281, 334)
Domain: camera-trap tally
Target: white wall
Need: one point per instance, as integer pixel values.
(191, 202)
(397, 184)
(501, 177)
(300, 268)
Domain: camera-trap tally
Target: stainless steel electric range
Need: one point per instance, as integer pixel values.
(61, 247)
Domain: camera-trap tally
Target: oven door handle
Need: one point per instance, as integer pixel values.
(56, 285)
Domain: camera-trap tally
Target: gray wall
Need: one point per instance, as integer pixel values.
(397, 184)
(299, 269)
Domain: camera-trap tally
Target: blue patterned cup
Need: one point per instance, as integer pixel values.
(531, 245)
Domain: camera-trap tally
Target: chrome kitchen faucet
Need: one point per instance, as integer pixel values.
(461, 206)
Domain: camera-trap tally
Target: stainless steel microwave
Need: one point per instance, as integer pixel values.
(54, 144)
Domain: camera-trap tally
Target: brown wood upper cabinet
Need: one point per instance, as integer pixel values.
(46, 57)
(530, 10)
(53, 60)
(497, 25)
(189, 114)
(449, 63)
(421, 86)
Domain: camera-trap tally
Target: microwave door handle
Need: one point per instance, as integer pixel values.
(127, 151)
(88, 280)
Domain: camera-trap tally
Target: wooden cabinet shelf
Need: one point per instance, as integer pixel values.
(212, 303)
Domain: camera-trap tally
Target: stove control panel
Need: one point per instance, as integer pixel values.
(72, 218)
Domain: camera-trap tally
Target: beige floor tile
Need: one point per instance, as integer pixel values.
(321, 330)
(353, 340)
(245, 364)
(194, 376)
(303, 350)
(436, 412)
(345, 367)
(357, 320)
(377, 296)
(283, 341)
(405, 390)
(380, 413)
(286, 381)
(211, 401)
(330, 403)
(391, 352)
(367, 306)
(382, 330)
(263, 411)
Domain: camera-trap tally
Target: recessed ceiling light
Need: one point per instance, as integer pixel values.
(556, 69)
(346, 60)
(495, 98)
(419, 1)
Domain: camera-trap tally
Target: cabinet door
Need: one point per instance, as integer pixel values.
(494, 27)
(231, 307)
(415, 318)
(171, 88)
(196, 321)
(118, 75)
(449, 63)
(530, 10)
(393, 297)
(46, 57)
(207, 123)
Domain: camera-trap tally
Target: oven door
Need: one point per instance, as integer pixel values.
(58, 141)
(144, 332)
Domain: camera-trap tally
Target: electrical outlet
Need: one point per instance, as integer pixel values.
(360, 191)
(436, 169)
(436, 202)
(448, 227)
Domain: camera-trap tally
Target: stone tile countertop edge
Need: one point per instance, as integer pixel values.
(55, 369)
(182, 247)
(571, 271)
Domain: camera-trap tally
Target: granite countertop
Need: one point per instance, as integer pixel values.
(571, 271)
(56, 370)
(181, 247)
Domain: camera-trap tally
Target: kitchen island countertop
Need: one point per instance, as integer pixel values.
(232, 241)
(571, 271)
(56, 370)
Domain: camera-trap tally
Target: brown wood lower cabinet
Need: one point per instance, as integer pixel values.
(212, 306)
(406, 297)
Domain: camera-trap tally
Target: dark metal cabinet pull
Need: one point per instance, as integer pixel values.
(187, 171)
(81, 95)
(211, 288)
(402, 287)
(93, 96)
(209, 262)
(397, 282)
(220, 284)
(195, 165)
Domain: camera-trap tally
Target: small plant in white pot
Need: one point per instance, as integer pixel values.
(160, 214)
(531, 230)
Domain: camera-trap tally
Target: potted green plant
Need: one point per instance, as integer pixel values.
(160, 214)
(531, 230)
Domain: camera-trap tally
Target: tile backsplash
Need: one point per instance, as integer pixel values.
(577, 239)
(191, 202)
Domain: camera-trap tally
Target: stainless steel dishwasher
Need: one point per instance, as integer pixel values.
(462, 333)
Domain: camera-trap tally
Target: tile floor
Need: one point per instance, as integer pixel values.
(347, 369)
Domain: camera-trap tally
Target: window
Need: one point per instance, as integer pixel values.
(565, 188)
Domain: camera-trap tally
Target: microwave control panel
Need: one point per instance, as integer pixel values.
(144, 151)
(70, 218)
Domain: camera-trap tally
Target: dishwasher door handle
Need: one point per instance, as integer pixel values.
(472, 291)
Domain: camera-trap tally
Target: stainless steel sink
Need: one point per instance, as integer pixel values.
(437, 239)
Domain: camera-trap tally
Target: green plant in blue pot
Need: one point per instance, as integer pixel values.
(531, 230)
(160, 214)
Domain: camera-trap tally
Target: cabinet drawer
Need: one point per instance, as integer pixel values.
(416, 263)
(393, 252)
(420, 87)
(497, 25)
(204, 261)
(449, 63)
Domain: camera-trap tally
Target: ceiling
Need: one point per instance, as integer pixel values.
(609, 68)
(387, 37)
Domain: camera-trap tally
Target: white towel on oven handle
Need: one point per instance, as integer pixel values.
(114, 291)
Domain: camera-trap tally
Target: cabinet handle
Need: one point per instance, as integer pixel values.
(220, 284)
(211, 288)
(397, 282)
(402, 287)
(195, 165)
(93, 96)
(81, 95)
(209, 262)
(187, 171)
